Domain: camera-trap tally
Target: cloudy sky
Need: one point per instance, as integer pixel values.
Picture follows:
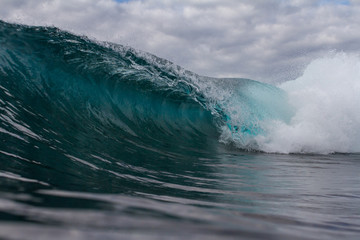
(266, 40)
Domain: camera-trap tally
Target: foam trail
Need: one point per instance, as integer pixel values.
(326, 102)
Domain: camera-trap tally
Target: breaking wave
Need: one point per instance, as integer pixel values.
(72, 97)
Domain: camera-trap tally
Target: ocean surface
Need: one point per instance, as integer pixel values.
(102, 141)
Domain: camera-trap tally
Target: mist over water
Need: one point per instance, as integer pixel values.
(102, 141)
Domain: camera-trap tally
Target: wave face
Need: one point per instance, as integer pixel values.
(59, 90)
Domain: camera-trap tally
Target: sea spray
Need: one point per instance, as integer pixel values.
(327, 112)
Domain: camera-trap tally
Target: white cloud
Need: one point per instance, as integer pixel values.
(264, 40)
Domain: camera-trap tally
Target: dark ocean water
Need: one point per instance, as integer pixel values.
(100, 141)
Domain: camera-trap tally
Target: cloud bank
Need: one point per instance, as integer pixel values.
(266, 40)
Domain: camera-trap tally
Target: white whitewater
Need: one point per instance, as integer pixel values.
(326, 101)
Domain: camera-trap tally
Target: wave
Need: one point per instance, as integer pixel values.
(69, 95)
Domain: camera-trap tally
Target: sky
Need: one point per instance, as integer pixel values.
(266, 40)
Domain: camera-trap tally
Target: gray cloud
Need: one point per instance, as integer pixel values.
(267, 40)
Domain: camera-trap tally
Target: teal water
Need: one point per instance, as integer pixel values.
(101, 141)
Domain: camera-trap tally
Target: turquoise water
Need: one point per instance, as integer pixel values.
(101, 141)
